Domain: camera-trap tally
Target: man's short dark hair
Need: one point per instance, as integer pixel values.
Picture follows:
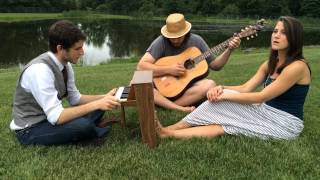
(64, 33)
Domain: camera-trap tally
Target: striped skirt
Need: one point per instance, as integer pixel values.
(255, 120)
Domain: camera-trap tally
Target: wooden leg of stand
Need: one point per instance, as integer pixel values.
(145, 105)
(123, 117)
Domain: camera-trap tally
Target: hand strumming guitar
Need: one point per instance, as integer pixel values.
(177, 69)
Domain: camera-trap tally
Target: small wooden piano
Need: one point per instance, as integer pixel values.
(140, 95)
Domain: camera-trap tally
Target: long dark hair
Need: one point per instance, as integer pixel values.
(294, 32)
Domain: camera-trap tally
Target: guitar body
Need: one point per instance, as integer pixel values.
(173, 87)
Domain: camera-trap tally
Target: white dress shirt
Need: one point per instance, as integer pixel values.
(38, 79)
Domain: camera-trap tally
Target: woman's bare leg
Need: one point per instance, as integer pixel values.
(183, 130)
(179, 125)
(199, 131)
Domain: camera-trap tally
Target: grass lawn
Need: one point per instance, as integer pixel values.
(10, 17)
(123, 156)
(17, 17)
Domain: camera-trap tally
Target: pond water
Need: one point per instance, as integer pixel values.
(107, 39)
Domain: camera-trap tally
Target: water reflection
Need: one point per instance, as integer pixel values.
(106, 39)
(94, 55)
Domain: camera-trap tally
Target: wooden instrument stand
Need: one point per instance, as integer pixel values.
(141, 96)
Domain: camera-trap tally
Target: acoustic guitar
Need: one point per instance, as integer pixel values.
(195, 64)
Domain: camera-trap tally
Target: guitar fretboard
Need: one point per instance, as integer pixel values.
(248, 31)
(213, 51)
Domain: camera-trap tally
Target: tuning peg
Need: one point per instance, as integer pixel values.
(256, 34)
(252, 36)
(242, 30)
(248, 38)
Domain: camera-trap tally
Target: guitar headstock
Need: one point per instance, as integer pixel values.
(252, 30)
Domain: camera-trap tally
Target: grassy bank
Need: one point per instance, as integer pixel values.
(16, 17)
(123, 156)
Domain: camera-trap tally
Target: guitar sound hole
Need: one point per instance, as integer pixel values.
(188, 64)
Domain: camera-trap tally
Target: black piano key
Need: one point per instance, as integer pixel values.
(126, 90)
(123, 96)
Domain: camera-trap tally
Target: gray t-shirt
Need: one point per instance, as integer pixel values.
(161, 47)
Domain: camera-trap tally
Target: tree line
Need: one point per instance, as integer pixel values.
(230, 8)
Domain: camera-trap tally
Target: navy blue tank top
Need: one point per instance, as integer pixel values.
(290, 101)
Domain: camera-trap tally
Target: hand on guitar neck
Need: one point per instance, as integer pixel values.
(234, 43)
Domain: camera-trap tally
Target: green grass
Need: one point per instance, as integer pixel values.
(123, 156)
(16, 17)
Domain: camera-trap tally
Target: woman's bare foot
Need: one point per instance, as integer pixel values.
(187, 109)
(160, 130)
(157, 124)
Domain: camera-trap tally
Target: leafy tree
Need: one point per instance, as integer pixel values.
(310, 8)
(214, 6)
(102, 8)
(170, 6)
(148, 8)
(114, 6)
(230, 10)
(272, 8)
(295, 6)
(251, 7)
(285, 10)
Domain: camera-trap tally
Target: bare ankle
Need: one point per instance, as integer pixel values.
(164, 133)
(187, 109)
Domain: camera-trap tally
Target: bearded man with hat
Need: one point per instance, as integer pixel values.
(176, 37)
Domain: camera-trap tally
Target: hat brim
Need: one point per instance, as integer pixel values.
(165, 33)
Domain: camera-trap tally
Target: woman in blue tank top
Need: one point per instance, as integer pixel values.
(274, 112)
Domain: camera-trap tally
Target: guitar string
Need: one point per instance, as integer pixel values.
(220, 47)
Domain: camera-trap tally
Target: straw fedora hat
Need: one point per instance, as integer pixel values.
(176, 26)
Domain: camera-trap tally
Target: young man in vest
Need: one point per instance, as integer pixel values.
(38, 114)
(176, 38)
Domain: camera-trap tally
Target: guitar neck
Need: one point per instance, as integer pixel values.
(216, 50)
(248, 31)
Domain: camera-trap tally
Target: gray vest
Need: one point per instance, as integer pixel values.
(26, 111)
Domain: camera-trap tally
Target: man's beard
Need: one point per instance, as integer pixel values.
(67, 58)
(176, 44)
